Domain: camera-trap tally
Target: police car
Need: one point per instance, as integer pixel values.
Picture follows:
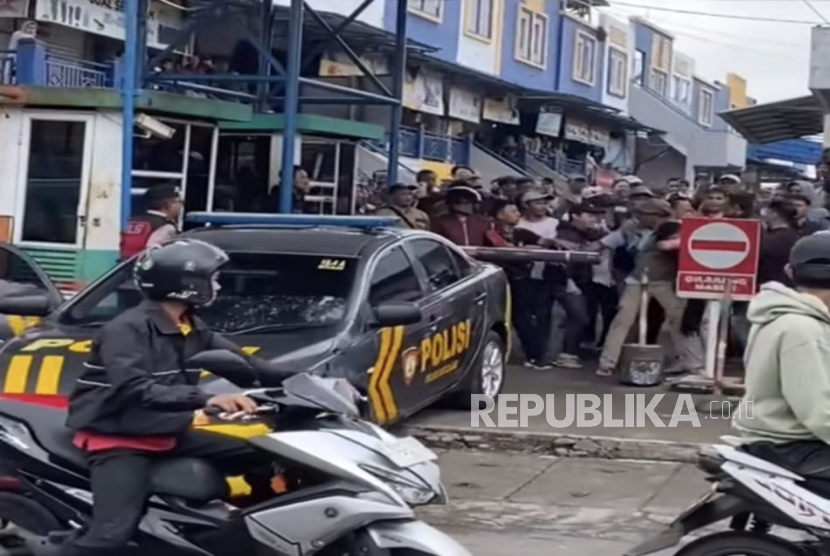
(405, 315)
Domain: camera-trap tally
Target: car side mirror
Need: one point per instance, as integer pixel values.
(397, 313)
(27, 306)
(222, 362)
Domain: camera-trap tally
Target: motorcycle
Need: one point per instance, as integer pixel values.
(754, 495)
(348, 487)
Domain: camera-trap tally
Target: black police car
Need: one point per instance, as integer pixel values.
(404, 314)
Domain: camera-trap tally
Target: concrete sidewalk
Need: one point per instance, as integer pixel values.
(504, 504)
(454, 429)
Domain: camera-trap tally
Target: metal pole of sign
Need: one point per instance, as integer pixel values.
(723, 337)
(128, 94)
(713, 314)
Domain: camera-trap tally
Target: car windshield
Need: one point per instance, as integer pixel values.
(260, 292)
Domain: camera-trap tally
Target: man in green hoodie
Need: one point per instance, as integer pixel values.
(785, 414)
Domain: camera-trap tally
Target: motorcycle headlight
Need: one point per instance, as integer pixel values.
(412, 492)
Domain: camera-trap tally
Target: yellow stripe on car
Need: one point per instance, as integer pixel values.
(383, 384)
(377, 370)
(17, 375)
(49, 378)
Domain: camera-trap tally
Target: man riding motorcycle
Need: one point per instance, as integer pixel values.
(788, 365)
(135, 402)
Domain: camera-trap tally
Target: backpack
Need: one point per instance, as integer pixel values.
(135, 237)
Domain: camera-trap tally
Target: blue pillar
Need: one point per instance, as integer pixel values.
(31, 63)
(398, 72)
(291, 103)
(128, 94)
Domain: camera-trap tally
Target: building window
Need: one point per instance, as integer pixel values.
(532, 37)
(584, 58)
(430, 9)
(681, 89)
(639, 66)
(617, 72)
(659, 83)
(706, 109)
(479, 16)
(661, 53)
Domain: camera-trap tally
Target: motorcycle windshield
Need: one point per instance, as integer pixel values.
(330, 394)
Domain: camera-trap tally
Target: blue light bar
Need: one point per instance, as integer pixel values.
(288, 220)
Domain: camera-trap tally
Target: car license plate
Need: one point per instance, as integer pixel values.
(408, 451)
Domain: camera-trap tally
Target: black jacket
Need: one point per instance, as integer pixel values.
(136, 382)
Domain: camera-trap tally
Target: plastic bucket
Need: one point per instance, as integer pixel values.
(641, 365)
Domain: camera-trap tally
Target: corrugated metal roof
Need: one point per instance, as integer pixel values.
(776, 121)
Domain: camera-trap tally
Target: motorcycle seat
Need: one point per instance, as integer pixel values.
(192, 479)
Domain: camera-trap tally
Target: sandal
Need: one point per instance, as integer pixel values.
(605, 372)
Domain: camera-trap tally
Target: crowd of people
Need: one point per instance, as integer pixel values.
(633, 226)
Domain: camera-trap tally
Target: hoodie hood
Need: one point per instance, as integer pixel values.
(775, 300)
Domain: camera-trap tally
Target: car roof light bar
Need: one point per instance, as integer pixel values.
(220, 219)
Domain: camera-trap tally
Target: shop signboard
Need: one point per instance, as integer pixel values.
(465, 105)
(576, 130)
(14, 8)
(106, 18)
(600, 138)
(338, 64)
(549, 123)
(423, 91)
(503, 110)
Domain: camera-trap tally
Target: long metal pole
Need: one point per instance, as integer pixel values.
(396, 112)
(291, 104)
(128, 94)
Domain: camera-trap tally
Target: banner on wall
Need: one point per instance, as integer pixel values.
(14, 8)
(503, 110)
(423, 91)
(338, 64)
(549, 123)
(600, 137)
(465, 105)
(106, 18)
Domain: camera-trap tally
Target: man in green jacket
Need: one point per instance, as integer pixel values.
(785, 414)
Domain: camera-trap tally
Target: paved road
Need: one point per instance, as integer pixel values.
(505, 504)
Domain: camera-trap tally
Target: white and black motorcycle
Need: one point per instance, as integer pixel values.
(349, 486)
(754, 495)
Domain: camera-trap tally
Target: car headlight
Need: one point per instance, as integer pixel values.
(413, 493)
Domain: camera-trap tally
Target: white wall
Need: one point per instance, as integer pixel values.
(477, 54)
(11, 128)
(372, 15)
(104, 198)
(620, 35)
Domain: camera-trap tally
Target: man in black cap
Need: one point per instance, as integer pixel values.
(159, 224)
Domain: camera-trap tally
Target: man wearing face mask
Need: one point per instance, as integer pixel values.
(462, 225)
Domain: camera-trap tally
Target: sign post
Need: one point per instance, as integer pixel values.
(718, 262)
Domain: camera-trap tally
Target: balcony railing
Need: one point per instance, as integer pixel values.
(62, 72)
(425, 145)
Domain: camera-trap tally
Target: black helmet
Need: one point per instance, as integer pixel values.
(810, 258)
(182, 270)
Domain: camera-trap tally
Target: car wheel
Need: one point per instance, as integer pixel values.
(488, 377)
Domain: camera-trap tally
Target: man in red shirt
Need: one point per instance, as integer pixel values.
(462, 225)
(135, 401)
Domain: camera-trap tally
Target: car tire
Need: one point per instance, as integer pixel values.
(487, 378)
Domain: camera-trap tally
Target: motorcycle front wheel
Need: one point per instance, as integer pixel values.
(740, 543)
(21, 520)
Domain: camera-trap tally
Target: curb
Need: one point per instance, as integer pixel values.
(562, 445)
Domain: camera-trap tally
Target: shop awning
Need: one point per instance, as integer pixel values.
(786, 119)
(534, 101)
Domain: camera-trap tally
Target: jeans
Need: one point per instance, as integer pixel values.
(532, 306)
(600, 300)
(576, 318)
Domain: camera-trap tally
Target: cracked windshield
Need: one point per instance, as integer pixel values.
(260, 293)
